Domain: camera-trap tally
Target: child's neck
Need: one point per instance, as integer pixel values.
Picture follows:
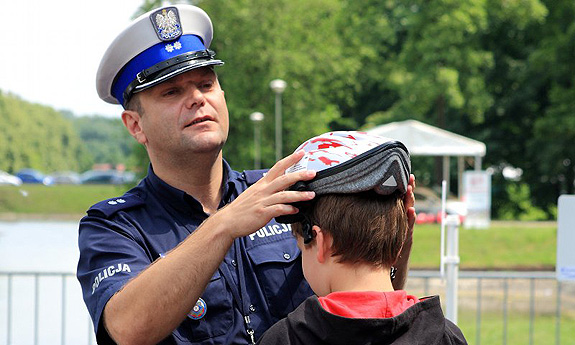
(360, 277)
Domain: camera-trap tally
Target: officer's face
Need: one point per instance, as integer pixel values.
(185, 114)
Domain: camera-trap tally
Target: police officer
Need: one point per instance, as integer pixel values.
(167, 262)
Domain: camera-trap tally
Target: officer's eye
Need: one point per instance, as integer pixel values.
(207, 85)
(170, 92)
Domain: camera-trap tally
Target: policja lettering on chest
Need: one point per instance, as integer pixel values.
(271, 230)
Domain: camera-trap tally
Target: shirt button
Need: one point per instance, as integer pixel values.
(252, 308)
(234, 263)
(287, 256)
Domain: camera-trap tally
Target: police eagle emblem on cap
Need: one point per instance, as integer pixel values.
(166, 22)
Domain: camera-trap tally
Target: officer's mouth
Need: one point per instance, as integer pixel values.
(199, 120)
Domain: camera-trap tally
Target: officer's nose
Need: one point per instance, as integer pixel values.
(195, 97)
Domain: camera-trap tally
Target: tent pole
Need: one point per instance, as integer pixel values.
(446, 171)
(460, 168)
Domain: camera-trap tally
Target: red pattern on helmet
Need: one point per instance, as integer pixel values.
(327, 161)
(327, 143)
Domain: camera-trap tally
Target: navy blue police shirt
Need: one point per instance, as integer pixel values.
(259, 281)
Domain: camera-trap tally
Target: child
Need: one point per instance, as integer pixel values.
(350, 236)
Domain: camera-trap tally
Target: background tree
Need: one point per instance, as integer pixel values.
(261, 41)
(525, 36)
(105, 138)
(481, 68)
(550, 161)
(36, 136)
(501, 72)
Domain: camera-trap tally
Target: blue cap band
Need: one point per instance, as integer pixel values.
(157, 53)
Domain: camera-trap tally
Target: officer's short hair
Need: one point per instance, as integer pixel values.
(366, 227)
(135, 104)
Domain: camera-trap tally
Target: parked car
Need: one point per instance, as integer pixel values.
(33, 176)
(428, 206)
(66, 177)
(7, 179)
(106, 177)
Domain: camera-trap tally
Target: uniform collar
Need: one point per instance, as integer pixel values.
(184, 202)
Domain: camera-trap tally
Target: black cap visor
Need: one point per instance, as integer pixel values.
(169, 69)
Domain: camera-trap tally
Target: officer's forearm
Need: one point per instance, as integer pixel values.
(154, 303)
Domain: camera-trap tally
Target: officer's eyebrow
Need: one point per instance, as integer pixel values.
(204, 71)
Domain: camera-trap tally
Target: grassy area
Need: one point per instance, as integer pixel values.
(518, 332)
(505, 246)
(508, 246)
(54, 200)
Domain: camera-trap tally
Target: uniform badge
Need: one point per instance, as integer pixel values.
(199, 310)
(166, 22)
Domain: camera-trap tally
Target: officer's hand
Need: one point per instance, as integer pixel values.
(409, 202)
(266, 199)
(402, 261)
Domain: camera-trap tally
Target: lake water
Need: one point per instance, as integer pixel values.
(49, 248)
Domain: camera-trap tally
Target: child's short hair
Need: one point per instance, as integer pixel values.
(365, 227)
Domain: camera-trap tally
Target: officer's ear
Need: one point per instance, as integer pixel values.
(132, 121)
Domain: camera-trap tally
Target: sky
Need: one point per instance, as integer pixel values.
(51, 49)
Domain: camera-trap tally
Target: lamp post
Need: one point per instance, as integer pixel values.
(257, 117)
(278, 86)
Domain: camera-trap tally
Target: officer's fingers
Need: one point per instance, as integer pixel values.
(284, 181)
(288, 197)
(411, 216)
(412, 180)
(280, 210)
(409, 197)
(280, 167)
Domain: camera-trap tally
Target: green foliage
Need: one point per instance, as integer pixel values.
(551, 148)
(499, 71)
(516, 204)
(440, 62)
(36, 136)
(106, 139)
(260, 41)
(139, 159)
(530, 123)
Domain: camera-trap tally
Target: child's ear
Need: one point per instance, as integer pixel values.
(323, 242)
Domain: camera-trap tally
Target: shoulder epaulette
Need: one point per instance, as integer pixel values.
(253, 176)
(108, 207)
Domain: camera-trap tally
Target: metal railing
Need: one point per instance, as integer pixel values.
(47, 308)
(43, 308)
(536, 294)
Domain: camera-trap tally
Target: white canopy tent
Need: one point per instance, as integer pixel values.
(425, 140)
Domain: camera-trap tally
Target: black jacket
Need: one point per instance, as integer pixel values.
(310, 324)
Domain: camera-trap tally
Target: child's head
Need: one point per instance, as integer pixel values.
(357, 218)
(365, 227)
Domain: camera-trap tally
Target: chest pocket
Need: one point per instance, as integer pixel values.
(279, 272)
(218, 318)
